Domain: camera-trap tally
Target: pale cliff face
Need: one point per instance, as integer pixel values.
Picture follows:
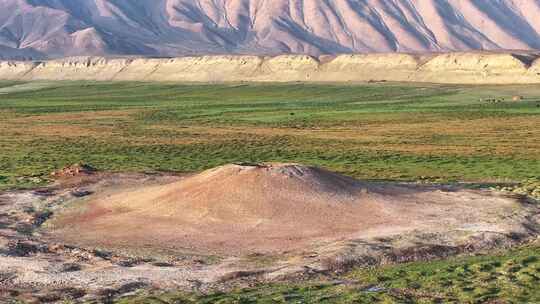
(464, 68)
(57, 28)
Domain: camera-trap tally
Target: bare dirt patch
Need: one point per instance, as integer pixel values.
(93, 232)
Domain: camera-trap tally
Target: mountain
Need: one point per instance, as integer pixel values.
(33, 29)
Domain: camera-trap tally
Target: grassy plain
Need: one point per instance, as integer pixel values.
(371, 131)
(379, 131)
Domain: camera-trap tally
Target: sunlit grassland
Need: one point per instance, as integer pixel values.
(372, 131)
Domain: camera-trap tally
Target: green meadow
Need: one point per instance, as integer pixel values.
(371, 131)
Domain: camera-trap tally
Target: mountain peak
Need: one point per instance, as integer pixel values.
(57, 28)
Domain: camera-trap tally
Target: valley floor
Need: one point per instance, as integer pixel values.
(477, 135)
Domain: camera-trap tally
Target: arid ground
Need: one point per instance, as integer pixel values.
(257, 193)
(274, 208)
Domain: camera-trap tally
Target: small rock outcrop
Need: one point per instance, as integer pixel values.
(74, 170)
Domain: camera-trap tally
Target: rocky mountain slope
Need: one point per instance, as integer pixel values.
(56, 28)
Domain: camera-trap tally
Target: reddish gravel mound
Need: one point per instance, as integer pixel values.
(272, 207)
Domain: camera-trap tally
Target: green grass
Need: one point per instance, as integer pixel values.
(512, 277)
(375, 131)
